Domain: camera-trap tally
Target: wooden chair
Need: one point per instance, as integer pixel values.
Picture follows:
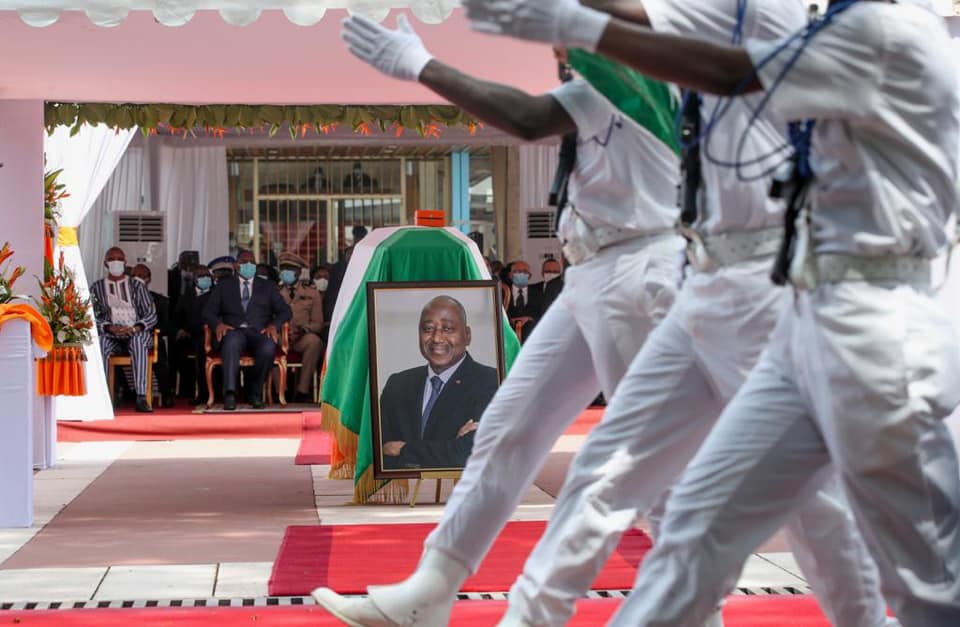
(295, 362)
(123, 359)
(213, 359)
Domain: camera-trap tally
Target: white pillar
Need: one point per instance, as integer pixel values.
(21, 218)
(17, 393)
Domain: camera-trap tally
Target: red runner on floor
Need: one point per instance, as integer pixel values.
(585, 421)
(348, 558)
(758, 611)
(180, 424)
(314, 443)
(183, 424)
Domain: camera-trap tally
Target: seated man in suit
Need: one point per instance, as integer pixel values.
(523, 303)
(125, 316)
(428, 414)
(548, 289)
(188, 320)
(247, 313)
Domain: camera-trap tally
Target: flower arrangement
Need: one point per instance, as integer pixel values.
(53, 193)
(67, 311)
(6, 283)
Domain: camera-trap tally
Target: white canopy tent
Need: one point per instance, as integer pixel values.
(235, 12)
(286, 53)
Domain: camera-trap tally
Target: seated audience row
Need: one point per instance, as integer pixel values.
(244, 310)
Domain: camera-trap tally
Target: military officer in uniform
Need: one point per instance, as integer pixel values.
(306, 305)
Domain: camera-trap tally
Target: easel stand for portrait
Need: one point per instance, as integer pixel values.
(439, 476)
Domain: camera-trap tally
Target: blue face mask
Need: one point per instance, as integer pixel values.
(248, 270)
(288, 277)
(521, 279)
(204, 283)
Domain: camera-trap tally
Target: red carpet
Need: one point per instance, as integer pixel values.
(182, 424)
(793, 611)
(585, 421)
(314, 444)
(347, 558)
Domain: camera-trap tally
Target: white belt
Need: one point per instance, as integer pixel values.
(708, 253)
(839, 268)
(581, 241)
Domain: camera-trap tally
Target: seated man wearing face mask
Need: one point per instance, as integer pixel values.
(188, 320)
(141, 272)
(246, 313)
(552, 283)
(306, 323)
(125, 316)
(524, 304)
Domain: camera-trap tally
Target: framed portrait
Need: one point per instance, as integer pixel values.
(436, 360)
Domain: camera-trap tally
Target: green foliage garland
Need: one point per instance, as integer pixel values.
(225, 118)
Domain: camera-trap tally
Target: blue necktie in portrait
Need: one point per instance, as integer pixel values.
(437, 384)
(245, 296)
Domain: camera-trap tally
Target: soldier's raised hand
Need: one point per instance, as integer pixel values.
(399, 53)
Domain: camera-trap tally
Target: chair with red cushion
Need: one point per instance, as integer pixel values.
(213, 359)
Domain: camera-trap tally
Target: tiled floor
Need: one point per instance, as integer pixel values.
(80, 464)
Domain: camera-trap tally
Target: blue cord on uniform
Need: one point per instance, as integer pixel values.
(723, 106)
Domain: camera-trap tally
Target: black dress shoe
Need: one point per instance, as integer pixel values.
(303, 397)
(256, 402)
(229, 401)
(167, 401)
(142, 406)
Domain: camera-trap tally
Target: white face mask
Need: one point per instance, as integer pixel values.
(116, 268)
(549, 276)
(321, 284)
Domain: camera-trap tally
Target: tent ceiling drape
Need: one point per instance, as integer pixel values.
(236, 12)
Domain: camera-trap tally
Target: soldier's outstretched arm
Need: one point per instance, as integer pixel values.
(401, 54)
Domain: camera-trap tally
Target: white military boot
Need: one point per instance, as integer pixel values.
(424, 599)
(353, 611)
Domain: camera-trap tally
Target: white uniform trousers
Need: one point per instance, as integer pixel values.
(859, 374)
(691, 365)
(584, 343)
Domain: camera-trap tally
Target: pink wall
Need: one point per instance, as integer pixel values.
(207, 60)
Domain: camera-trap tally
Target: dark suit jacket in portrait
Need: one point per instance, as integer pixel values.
(464, 397)
(266, 306)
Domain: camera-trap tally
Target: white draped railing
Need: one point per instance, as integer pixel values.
(236, 12)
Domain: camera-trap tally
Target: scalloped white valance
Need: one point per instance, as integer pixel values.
(237, 12)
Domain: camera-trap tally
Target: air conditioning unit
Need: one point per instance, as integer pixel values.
(142, 236)
(539, 239)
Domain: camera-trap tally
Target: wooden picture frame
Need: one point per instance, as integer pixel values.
(409, 344)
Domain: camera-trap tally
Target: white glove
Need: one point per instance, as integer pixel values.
(565, 23)
(398, 53)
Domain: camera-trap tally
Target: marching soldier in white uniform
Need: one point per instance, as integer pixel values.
(862, 366)
(626, 263)
(470, 523)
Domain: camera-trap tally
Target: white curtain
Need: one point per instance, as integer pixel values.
(193, 190)
(538, 164)
(87, 159)
(127, 190)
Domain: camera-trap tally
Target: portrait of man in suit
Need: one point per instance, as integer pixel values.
(246, 312)
(428, 413)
